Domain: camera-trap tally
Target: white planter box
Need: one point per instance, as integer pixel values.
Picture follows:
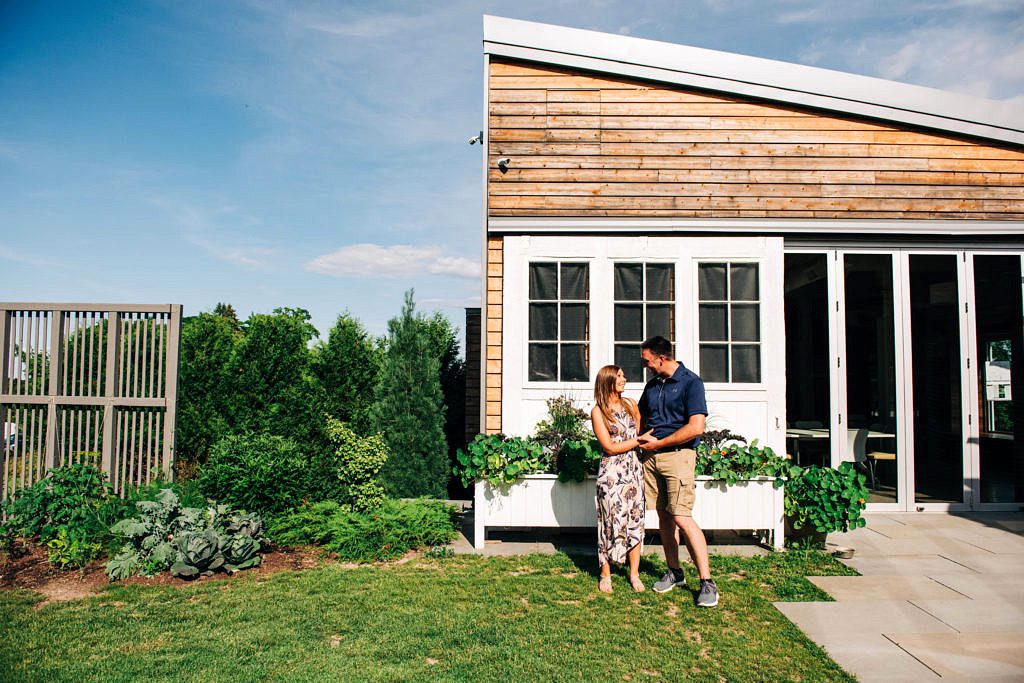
(540, 500)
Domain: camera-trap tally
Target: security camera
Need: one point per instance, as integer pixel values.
(479, 137)
(503, 164)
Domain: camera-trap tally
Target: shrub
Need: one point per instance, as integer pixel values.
(68, 499)
(188, 541)
(386, 533)
(256, 473)
(348, 473)
(498, 459)
(72, 549)
(826, 499)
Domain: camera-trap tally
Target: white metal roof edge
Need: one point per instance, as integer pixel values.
(866, 226)
(755, 77)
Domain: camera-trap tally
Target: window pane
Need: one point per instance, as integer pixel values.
(544, 281)
(629, 282)
(543, 362)
(711, 281)
(714, 363)
(543, 321)
(627, 357)
(714, 325)
(629, 322)
(744, 282)
(745, 323)
(659, 320)
(574, 363)
(574, 322)
(575, 281)
(746, 363)
(659, 282)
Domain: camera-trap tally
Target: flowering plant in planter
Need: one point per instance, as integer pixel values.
(498, 459)
(736, 461)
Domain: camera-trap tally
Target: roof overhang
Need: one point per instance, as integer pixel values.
(764, 79)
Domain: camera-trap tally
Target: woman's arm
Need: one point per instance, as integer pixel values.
(605, 439)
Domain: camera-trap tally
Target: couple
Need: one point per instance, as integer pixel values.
(650, 452)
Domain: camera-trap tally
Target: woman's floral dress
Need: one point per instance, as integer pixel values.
(620, 496)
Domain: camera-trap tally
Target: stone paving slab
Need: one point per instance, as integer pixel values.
(998, 586)
(997, 541)
(847, 588)
(978, 616)
(914, 565)
(872, 657)
(825, 619)
(915, 545)
(985, 562)
(978, 656)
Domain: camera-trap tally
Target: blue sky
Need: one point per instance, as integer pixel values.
(313, 154)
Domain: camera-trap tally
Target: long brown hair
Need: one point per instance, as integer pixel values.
(604, 387)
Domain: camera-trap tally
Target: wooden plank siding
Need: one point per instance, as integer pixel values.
(591, 145)
(492, 336)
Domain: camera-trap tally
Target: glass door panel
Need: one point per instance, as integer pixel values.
(871, 406)
(937, 405)
(998, 320)
(807, 359)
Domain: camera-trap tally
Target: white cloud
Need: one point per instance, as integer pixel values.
(249, 256)
(400, 260)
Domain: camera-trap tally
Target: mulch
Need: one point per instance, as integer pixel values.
(32, 571)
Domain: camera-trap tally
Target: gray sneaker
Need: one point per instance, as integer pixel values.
(669, 581)
(708, 596)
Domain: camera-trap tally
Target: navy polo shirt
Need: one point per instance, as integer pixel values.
(667, 403)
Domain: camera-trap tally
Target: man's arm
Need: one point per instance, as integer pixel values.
(688, 432)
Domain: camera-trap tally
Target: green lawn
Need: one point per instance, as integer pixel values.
(459, 619)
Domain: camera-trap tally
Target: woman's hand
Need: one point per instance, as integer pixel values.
(646, 437)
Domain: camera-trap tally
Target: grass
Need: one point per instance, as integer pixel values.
(454, 619)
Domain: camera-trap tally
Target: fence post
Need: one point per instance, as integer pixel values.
(5, 370)
(110, 394)
(53, 389)
(171, 391)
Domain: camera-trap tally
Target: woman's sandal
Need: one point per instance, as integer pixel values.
(638, 585)
(605, 584)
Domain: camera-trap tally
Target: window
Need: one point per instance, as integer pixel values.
(559, 322)
(644, 307)
(730, 322)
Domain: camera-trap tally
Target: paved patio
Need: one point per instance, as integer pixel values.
(940, 597)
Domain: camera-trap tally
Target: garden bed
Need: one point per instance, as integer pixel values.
(540, 500)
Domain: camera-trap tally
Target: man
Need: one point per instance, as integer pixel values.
(674, 408)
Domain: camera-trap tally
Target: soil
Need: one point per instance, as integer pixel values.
(33, 572)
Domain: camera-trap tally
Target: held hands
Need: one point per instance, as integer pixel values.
(646, 440)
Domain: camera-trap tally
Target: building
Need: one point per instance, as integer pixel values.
(838, 256)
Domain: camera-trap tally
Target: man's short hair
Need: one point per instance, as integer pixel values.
(659, 346)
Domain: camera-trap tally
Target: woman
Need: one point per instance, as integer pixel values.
(620, 489)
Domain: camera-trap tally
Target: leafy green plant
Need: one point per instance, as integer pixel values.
(498, 459)
(255, 472)
(826, 499)
(565, 422)
(388, 532)
(189, 541)
(736, 461)
(71, 550)
(68, 498)
(578, 458)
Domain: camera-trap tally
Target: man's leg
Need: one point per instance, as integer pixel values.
(669, 541)
(695, 543)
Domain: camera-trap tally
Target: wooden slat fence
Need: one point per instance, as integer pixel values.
(88, 383)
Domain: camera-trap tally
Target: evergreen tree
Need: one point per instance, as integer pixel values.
(347, 366)
(409, 408)
(445, 340)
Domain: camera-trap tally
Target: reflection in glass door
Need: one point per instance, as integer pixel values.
(936, 362)
(871, 404)
(998, 328)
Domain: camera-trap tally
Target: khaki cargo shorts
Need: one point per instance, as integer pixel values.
(669, 483)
